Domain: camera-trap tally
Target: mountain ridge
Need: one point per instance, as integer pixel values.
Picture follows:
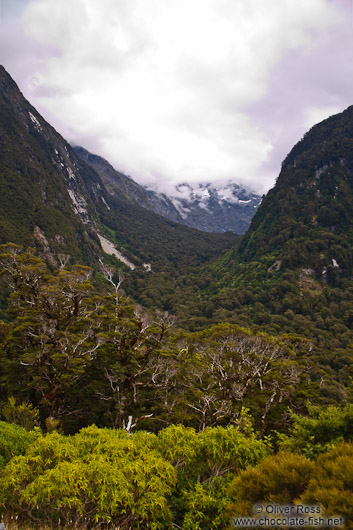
(206, 207)
(55, 201)
(40, 180)
(312, 201)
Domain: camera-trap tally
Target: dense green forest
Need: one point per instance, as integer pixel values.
(83, 356)
(115, 417)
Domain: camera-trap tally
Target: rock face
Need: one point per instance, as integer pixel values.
(207, 207)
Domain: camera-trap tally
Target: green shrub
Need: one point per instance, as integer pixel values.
(280, 478)
(24, 414)
(317, 432)
(97, 476)
(331, 485)
(14, 440)
(206, 463)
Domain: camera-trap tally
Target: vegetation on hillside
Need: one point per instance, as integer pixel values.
(229, 385)
(72, 357)
(85, 357)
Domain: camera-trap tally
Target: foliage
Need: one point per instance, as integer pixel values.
(287, 478)
(206, 462)
(331, 485)
(14, 440)
(24, 414)
(179, 478)
(214, 374)
(141, 480)
(62, 334)
(279, 479)
(98, 475)
(66, 343)
(316, 432)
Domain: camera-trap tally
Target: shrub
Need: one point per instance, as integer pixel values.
(280, 478)
(97, 476)
(316, 433)
(332, 484)
(206, 463)
(14, 440)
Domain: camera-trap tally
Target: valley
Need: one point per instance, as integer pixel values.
(153, 374)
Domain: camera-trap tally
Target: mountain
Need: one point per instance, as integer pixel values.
(53, 200)
(293, 270)
(44, 199)
(206, 207)
(306, 220)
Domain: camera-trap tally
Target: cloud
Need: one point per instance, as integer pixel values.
(11, 9)
(308, 85)
(182, 90)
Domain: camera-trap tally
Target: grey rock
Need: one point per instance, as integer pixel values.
(204, 206)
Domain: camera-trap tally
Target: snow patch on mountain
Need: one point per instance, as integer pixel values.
(210, 207)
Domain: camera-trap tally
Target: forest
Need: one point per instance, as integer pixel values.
(117, 417)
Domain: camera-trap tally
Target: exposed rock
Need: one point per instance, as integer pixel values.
(207, 207)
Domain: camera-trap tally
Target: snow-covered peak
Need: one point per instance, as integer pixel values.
(219, 206)
(204, 192)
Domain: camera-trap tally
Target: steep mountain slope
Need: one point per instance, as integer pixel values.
(116, 183)
(307, 219)
(206, 207)
(53, 200)
(43, 197)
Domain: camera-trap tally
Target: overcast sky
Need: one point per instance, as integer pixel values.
(173, 91)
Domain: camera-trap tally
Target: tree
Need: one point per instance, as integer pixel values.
(206, 378)
(55, 332)
(67, 344)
